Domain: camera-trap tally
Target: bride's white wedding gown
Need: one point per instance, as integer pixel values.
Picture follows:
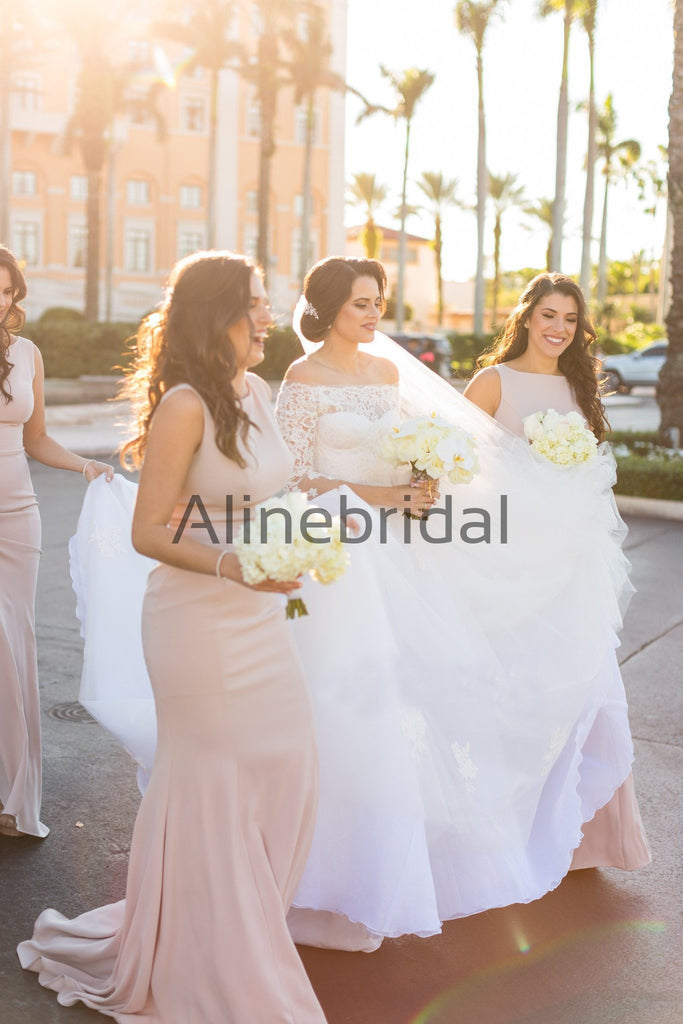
(463, 693)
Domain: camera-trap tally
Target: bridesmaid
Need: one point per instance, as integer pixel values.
(542, 361)
(225, 825)
(22, 433)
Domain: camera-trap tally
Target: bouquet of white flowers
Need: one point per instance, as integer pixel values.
(288, 537)
(564, 440)
(434, 448)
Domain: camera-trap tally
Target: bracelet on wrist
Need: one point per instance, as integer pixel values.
(222, 555)
(85, 465)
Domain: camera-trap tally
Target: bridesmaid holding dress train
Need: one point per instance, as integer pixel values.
(22, 433)
(542, 361)
(225, 825)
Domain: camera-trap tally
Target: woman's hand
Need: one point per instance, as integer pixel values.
(422, 494)
(276, 586)
(92, 469)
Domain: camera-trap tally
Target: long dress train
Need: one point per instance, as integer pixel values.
(224, 827)
(20, 759)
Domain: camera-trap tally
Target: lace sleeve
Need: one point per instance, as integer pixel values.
(297, 418)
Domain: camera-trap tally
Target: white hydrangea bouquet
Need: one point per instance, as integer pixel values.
(564, 440)
(433, 448)
(277, 545)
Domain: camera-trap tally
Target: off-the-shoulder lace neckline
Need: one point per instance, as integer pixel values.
(337, 387)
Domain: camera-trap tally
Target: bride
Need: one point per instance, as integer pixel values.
(451, 696)
(508, 700)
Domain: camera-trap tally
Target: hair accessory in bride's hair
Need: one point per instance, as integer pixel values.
(310, 310)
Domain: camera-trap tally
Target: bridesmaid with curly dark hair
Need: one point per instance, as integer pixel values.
(542, 360)
(22, 433)
(225, 825)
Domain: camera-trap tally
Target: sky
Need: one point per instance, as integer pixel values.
(522, 69)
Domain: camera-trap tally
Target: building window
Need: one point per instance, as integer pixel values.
(138, 250)
(301, 124)
(139, 53)
(78, 186)
(191, 197)
(26, 92)
(24, 183)
(194, 114)
(137, 192)
(25, 242)
(254, 118)
(256, 20)
(189, 241)
(311, 255)
(250, 237)
(78, 245)
(389, 254)
(252, 201)
(139, 112)
(299, 205)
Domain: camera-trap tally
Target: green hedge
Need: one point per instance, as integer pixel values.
(643, 477)
(71, 347)
(465, 348)
(282, 348)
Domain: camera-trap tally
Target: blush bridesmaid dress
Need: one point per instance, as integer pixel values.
(20, 766)
(614, 837)
(224, 828)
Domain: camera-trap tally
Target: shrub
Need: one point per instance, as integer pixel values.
(282, 348)
(71, 347)
(644, 477)
(465, 349)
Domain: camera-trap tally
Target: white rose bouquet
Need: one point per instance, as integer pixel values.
(278, 545)
(433, 448)
(564, 440)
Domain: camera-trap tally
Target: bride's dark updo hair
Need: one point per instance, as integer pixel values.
(328, 286)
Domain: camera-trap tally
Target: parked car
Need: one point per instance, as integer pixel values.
(431, 349)
(631, 369)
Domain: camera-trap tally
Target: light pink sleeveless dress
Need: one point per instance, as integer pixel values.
(20, 768)
(225, 825)
(615, 837)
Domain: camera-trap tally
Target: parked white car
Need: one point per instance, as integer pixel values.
(632, 369)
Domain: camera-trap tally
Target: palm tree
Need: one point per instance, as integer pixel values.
(588, 18)
(309, 70)
(472, 20)
(206, 32)
(505, 193)
(410, 86)
(266, 72)
(670, 387)
(542, 210)
(570, 9)
(440, 192)
(626, 152)
(366, 191)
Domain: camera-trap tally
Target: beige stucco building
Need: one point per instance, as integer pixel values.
(154, 209)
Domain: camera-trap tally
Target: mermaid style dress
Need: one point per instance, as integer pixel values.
(225, 824)
(615, 836)
(20, 762)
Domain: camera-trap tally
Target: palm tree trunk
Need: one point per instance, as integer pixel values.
(5, 141)
(402, 236)
(438, 250)
(561, 157)
(265, 157)
(589, 199)
(497, 231)
(213, 157)
(482, 190)
(92, 262)
(602, 258)
(111, 228)
(670, 387)
(305, 251)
